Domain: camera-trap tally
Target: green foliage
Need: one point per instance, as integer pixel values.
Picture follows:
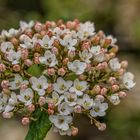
(40, 127)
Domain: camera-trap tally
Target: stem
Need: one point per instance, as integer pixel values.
(39, 128)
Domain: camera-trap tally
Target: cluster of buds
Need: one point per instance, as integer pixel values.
(68, 66)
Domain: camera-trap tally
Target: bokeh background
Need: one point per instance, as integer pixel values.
(118, 17)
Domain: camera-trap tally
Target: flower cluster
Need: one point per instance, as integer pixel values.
(68, 66)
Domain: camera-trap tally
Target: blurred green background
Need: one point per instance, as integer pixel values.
(118, 17)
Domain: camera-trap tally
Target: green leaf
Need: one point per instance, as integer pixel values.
(71, 76)
(35, 70)
(39, 128)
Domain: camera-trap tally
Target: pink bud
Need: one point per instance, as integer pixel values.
(101, 126)
(61, 71)
(2, 67)
(51, 71)
(28, 62)
(42, 101)
(124, 64)
(23, 86)
(7, 115)
(71, 54)
(112, 80)
(74, 131)
(31, 108)
(38, 27)
(5, 84)
(121, 71)
(65, 61)
(50, 111)
(16, 68)
(51, 105)
(55, 50)
(24, 54)
(96, 89)
(25, 120)
(103, 91)
(115, 88)
(82, 77)
(100, 97)
(36, 60)
(122, 94)
(77, 109)
(88, 68)
(86, 45)
(50, 88)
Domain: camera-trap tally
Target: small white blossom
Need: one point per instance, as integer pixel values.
(98, 109)
(61, 132)
(95, 50)
(26, 96)
(114, 99)
(26, 26)
(61, 85)
(70, 98)
(127, 79)
(113, 40)
(68, 42)
(55, 99)
(11, 33)
(6, 47)
(85, 30)
(49, 59)
(3, 101)
(39, 84)
(17, 82)
(60, 121)
(85, 56)
(12, 101)
(86, 102)
(65, 109)
(77, 66)
(114, 64)
(79, 87)
(47, 42)
(14, 57)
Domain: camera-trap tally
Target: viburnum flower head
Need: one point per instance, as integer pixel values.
(60, 69)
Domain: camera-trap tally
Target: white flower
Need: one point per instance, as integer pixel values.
(39, 84)
(61, 122)
(11, 33)
(99, 55)
(14, 57)
(11, 102)
(61, 85)
(6, 47)
(61, 132)
(127, 79)
(79, 87)
(68, 42)
(58, 32)
(47, 42)
(70, 98)
(26, 96)
(114, 99)
(95, 50)
(3, 101)
(18, 81)
(114, 64)
(113, 40)
(85, 30)
(27, 42)
(85, 56)
(55, 99)
(86, 102)
(65, 109)
(77, 66)
(26, 26)
(98, 109)
(49, 59)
